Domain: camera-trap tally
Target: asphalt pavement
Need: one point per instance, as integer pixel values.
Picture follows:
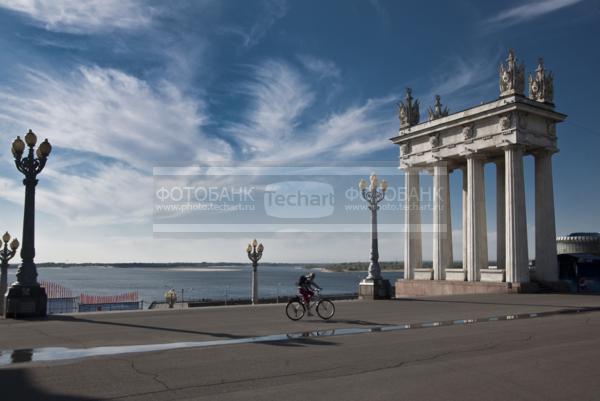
(476, 347)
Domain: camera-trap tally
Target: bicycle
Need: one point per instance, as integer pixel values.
(296, 308)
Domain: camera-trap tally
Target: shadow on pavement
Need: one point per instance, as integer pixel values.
(450, 301)
(298, 342)
(16, 385)
(356, 322)
(140, 326)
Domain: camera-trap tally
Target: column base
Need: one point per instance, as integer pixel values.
(492, 275)
(26, 301)
(424, 274)
(456, 275)
(374, 289)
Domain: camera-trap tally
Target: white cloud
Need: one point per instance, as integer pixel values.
(323, 68)
(76, 16)
(113, 114)
(280, 125)
(278, 99)
(105, 113)
(270, 12)
(465, 74)
(358, 130)
(529, 11)
(463, 78)
(111, 194)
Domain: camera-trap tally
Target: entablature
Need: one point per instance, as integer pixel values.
(484, 129)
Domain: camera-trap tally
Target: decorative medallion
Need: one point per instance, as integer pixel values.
(434, 140)
(468, 132)
(551, 128)
(512, 76)
(404, 149)
(408, 111)
(541, 85)
(522, 117)
(505, 122)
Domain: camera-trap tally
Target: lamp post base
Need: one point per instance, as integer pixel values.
(375, 289)
(25, 301)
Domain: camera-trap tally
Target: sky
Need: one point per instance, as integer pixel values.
(122, 86)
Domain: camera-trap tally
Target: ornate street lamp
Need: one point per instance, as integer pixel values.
(26, 297)
(373, 286)
(6, 254)
(255, 251)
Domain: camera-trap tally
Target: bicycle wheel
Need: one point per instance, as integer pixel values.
(294, 309)
(325, 309)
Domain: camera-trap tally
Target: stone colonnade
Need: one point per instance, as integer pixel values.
(501, 131)
(512, 249)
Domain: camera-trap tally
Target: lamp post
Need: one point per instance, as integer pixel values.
(373, 286)
(6, 254)
(255, 251)
(26, 297)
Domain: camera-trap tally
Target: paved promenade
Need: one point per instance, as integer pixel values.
(458, 354)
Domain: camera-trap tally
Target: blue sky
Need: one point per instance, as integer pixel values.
(121, 86)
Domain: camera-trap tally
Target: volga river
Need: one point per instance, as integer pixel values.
(210, 282)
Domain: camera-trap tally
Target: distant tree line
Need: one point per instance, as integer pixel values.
(334, 267)
(364, 266)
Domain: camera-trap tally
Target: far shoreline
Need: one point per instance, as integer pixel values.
(323, 267)
(328, 267)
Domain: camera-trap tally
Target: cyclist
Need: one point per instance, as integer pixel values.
(305, 286)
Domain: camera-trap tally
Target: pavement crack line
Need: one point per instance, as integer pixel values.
(310, 373)
(60, 353)
(402, 364)
(433, 357)
(216, 384)
(154, 376)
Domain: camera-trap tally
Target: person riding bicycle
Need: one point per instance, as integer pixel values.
(305, 286)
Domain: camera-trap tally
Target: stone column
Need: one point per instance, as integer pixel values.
(440, 220)
(477, 257)
(413, 257)
(500, 219)
(448, 240)
(464, 216)
(546, 265)
(517, 263)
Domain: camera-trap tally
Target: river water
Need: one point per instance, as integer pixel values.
(210, 282)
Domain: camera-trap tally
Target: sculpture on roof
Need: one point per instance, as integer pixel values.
(408, 111)
(437, 111)
(541, 85)
(512, 76)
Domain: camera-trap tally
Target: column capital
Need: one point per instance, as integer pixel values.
(412, 170)
(540, 152)
(475, 156)
(513, 146)
(440, 163)
(450, 165)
